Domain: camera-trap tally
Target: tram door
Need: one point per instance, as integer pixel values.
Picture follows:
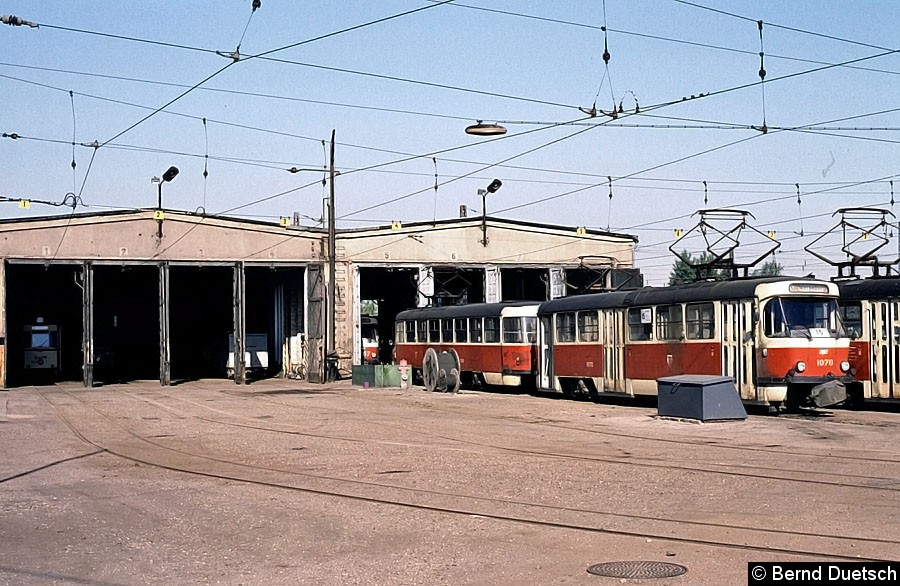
(738, 337)
(885, 328)
(545, 338)
(612, 322)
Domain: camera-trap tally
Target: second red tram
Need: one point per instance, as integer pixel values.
(871, 315)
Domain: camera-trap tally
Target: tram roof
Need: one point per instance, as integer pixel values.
(450, 311)
(691, 293)
(870, 288)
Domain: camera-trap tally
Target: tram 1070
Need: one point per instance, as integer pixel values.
(780, 339)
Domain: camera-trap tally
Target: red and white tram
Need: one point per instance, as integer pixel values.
(779, 338)
(871, 313)
(493, 342)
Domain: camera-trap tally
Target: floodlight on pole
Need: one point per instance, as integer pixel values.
(491, 188)
(170, 174)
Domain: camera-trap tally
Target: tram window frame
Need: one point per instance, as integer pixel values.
(638, 329)
(564, 327)
(588, 326)
(410, 329)
(434, 331)
(447, 329)
(853, 324)
(670, 322)
(492, 329)
(529, 326)
(400, 332)
(476, 330)
(422, 331)
(461, 330)
(700, 321)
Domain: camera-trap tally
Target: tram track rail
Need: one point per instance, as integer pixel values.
(879, 483)
(144, 450)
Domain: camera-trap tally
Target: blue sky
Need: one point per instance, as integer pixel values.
(528, 64)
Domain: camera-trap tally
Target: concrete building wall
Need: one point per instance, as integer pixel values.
(460, 242)
(134, 237)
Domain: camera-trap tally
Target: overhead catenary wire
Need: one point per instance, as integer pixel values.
(617, 124)
(781, 26)
(264, 54)
(479, 170)
(584, 25)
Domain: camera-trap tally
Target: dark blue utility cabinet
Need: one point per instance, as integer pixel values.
(699, 396)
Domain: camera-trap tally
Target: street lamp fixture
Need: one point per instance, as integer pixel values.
(170, 174)
(482, 129)
(491, 188)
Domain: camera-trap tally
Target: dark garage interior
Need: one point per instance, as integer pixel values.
(393, 289)
(49, 293)
(524, 284)
(270, 292)
(126, 323)
(201, 317)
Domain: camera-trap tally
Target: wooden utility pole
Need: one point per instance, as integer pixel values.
(332, 267)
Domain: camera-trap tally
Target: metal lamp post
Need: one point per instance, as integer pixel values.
(170, 174)
(492, 188)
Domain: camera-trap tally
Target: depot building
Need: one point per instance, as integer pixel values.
(149, 294)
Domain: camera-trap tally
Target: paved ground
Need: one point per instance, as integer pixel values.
(283, 482)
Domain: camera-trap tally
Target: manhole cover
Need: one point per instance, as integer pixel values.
(637, 570)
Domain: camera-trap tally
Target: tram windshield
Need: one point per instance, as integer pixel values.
(802, 317)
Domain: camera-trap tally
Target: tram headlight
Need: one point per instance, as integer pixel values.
(801, 366)
(845, 366)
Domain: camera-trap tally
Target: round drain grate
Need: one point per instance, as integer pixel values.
(637, 570)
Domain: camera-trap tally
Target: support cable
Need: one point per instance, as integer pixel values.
(434, 212)
(762, 77)
(205, 163)
(74, 178)
(609, 211)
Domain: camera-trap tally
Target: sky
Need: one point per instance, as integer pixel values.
(139, 87)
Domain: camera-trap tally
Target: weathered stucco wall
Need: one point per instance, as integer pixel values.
(134, 237)
(461, 243)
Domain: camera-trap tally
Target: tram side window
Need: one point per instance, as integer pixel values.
(640, 323)
(851, 315)
(588, 326)
(400, 332)
(700, 321)
(434, 331)
(462, 333)
(668, 323)
(410, 331)
(565, 327)
(512, 330)
(475, 330)
(491, 329)
(422, 328)
(447, 330)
